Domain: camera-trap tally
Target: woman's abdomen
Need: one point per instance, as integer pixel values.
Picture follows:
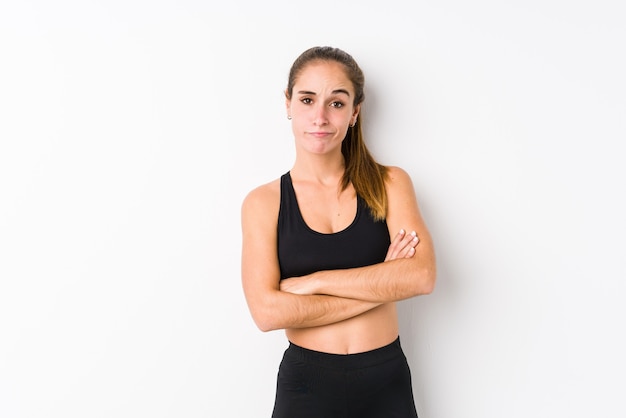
(367, 331)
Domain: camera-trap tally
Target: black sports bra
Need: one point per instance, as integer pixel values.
(302, 250)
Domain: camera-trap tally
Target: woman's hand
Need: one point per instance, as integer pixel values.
(402, 246)
(304, 285)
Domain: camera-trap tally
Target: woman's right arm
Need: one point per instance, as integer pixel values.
(270, 308)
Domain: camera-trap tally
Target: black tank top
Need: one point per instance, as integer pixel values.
(302, 250)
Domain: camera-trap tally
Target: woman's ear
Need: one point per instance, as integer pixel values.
(355, 114)
(287, 106)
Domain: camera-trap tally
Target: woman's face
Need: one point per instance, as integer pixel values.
(321, 107)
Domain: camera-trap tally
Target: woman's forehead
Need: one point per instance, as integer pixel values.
(323, 74)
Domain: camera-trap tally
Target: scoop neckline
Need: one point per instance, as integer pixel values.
(301, 218)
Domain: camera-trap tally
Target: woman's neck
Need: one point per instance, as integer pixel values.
(319, 168)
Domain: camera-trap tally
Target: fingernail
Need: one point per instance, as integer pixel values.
(401, 231)
(414, 233)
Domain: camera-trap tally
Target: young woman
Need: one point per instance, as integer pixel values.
(328, 248)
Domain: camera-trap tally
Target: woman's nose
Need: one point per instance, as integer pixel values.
(320, 117)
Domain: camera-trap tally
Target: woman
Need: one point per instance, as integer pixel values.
(318, 259)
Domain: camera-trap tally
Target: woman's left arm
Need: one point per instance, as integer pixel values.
(392, 280)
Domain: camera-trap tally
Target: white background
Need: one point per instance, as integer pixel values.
(131, 131)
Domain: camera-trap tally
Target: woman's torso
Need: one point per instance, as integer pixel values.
(308, 242)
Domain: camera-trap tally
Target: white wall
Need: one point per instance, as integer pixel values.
(130, 131)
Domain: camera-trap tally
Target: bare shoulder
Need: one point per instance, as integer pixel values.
(262, 202)
(397, 180)
(402, 209)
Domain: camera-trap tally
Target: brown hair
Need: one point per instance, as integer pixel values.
(366, 175)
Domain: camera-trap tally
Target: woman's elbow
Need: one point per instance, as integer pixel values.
(266, 317)
(264, 320)
(262, 305)
(265, 326)
(430, 277)
(429, 285)
(425, 282)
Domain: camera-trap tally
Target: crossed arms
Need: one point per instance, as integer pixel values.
(326, 297)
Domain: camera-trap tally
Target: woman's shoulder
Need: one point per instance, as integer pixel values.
(396, 176)
(263, 199)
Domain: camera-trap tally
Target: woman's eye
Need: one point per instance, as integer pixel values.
(337, 104)
(307, 100)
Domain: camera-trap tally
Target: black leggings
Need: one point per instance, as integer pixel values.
(374, 384)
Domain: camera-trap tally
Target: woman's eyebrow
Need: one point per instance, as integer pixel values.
(338, 91)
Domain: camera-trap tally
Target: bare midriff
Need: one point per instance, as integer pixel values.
(368, 331)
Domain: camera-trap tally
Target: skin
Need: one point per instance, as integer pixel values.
(338, 311)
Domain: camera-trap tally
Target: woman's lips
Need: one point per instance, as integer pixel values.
(320, 134)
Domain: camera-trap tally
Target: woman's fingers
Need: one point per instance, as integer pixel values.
(402, 246)
(393, 247)
(411, 240)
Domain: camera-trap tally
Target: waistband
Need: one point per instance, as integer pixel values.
(346, 361)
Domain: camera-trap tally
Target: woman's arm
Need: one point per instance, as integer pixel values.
(397, 279)
(271, 308)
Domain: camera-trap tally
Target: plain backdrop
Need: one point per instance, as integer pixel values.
(130, 132)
